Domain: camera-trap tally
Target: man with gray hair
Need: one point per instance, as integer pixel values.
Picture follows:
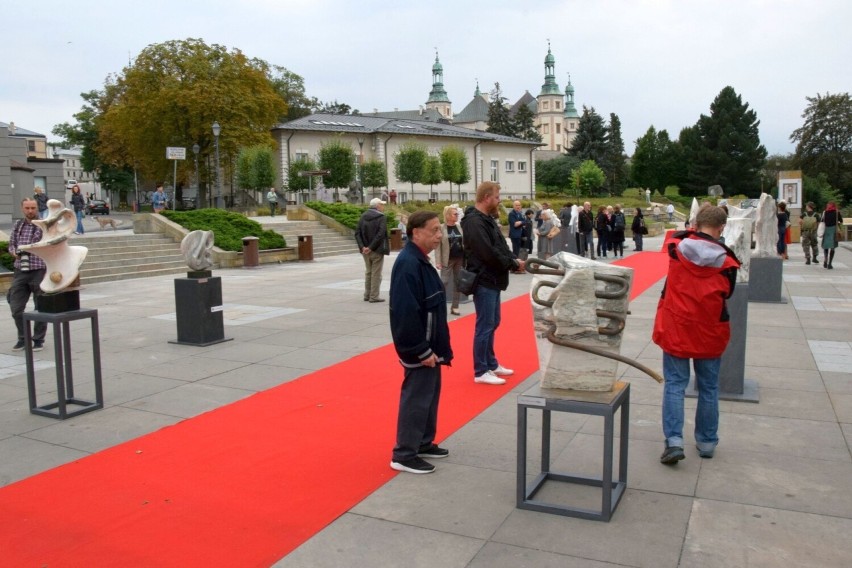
(372, 238)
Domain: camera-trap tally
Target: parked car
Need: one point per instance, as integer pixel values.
(97, 207)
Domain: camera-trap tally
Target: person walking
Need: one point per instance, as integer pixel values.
(372, 238)
(272, 199)
(29, 272)
(833, 224)
(692, 323)
(516, 227)
(808, 224)
(490, 257)
(783, 217)
(41, 199)
(449, 254)
(78, 203)
(670, 209)
(421, 337)
(585, 224)
(529, 234)
(638, 229)
(602, 227)
(158, 199)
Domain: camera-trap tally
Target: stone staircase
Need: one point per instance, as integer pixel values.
(326, 241)
(128, 255)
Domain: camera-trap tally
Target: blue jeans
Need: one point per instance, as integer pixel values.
(487, 304)
(676, 373)
(80, 222)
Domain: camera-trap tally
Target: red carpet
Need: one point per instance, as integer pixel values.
(247, 483)
(648, 267)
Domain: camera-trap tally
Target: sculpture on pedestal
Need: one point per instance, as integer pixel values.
(62, 260)
(766, 228)
(196, 249)
(580, 306)
(737, 235)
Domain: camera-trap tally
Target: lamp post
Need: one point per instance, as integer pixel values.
(360, 165)
(216, 130)
(195, 150)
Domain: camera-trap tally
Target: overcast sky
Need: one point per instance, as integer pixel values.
(657, 63)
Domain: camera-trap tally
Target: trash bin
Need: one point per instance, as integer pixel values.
(251, 257)
(396, 239)
(306, 247)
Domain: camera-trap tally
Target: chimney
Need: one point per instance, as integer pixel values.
(421, 110)
(12, 128)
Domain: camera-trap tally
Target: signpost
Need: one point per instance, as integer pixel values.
(310, 175)
(174, 153)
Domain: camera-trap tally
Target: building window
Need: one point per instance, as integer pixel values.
(558, 128)
(494, 165)
(571, 126)
(545, 105)
(556, 105)
(301, 156)
(510, 165)
(545, 128)
(31, 145)
(559, 147)
(522, 166)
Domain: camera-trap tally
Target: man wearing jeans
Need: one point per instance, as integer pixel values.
(29, 272)
(692, 323)
(490, 257)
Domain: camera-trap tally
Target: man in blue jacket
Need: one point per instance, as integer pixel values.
(516, 227)
(418, 320)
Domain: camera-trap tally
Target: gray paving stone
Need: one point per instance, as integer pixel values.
(188, 400)
(190, 368)
(255, 378)
(801, 438)
(26, 457)
(496, 555)
(842, 406)
(789, 404)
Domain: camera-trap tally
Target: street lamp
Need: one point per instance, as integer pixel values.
(216, 130)
(360, 166)
(195, 150)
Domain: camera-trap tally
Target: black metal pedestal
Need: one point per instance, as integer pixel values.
(594, 403)
(64, 368)
(198, 303)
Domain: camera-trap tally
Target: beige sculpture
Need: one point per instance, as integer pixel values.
(196, 249)
(62, 260)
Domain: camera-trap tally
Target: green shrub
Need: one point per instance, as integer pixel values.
(348, 214)
(6, 259)
(228, 228)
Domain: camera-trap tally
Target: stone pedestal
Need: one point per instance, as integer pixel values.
(198, 302)
(765, 279)
(732, 382)
(569, 241)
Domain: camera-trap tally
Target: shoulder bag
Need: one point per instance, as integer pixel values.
(553, 232)
(467, 281)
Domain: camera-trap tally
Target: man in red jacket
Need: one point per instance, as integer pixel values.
(692, 323)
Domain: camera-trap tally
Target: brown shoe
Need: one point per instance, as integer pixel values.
(377, 300)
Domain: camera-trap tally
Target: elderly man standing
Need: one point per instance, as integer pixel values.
(585, 224)
(29, 272)
(516, 227)
(372, 238)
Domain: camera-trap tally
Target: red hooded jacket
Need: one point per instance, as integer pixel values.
(692, 318)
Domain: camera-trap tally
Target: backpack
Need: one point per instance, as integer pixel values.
(809, 223)
(619, 222)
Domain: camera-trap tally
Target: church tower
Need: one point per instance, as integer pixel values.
(572, 117)
(549, 118)
(438, 98)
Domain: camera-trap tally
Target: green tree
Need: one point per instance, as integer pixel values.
(454, 166)
(339, 159)
(431, 172)
(588, 178)
(291, 88)
(297, 182)
(171, 95)
(726, 149)
(818, 190)
(591, 141)
(374, 174)
(824, 141)
(525, 124)
(556, 173)
(614, 158)
(654, 161)
(499, 119)
(255, 169)
(408, 163)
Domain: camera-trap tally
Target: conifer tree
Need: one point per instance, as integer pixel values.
(591, 140)
(499, 120)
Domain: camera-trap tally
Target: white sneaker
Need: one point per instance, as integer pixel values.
(503, 371)
(489, 378)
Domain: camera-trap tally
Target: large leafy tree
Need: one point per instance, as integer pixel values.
(431, 172)
(592, 140)
(339, 159)
(255, 168)
(824, 141)
(291, 88)
(556, 173)
(499, 119)
(171, 95)
(374, 174)
(409, 162)
(297, 182)
(525, 124)
(724, 149)
(454, 166)
(613, 163)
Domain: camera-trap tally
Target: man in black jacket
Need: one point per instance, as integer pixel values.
(585, 224)
(372, 238)
(418, 319)
(490, 257)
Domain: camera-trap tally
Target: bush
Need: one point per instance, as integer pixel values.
(228, 228)
(348, 214)
(6, 259)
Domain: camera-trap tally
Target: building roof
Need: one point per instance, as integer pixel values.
(475, 111)
(361, 124)
(429, 114)
(18, 131)
(526, 99)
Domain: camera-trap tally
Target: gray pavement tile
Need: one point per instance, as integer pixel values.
(457, 499)
(97, 431)
(295, 338)
(763, 352)
(733, 534)
(255, 377)
(775, 331)
(339, 326)
(15, 417)
(842, 406)
(190, 368)
(788, 379)
(31, 457)
(801, 438)
(245, 352)
(778, 481)
(829, 333)
(645, 423)
(354, 343)
(837, 382)
(189, 400)
(633, 537)
(505, 411)
(789, 404)
(496, 555)
(309, 359)
(343, 543)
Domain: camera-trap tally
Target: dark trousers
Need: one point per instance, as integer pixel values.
(272, 206)
(603, 245)
(516, 245)
(418, 411)
(23, 285)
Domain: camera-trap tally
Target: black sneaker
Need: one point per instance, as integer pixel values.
(672, 455)
(434, 452)
(19, 346)
(414, 465)
(38, 345)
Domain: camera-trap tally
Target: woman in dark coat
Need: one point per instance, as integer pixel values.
(783, 218)
(638, 229)
(617, 223)
(602, 227)
(833, 223)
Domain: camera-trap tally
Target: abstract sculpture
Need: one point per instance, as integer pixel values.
(195, 248)
(766, 228)
(62, 261)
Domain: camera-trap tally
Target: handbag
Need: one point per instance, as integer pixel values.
(467, 281)
(821, 229)
(553, 232)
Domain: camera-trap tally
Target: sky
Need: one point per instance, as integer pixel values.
(653, 63)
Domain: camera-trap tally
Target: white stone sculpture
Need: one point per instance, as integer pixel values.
(587, 306)
(766, 228)
(693, 212)
(196, 247)
(737, 236)
(575, 217)
(62, 260)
